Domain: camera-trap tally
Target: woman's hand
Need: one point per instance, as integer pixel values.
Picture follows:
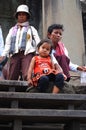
(81, 68)
(1, 58)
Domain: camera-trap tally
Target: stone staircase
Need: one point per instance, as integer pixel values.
(20, 110)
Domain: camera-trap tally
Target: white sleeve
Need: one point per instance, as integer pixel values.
(73, 67)
(35, 35)
(54, 59)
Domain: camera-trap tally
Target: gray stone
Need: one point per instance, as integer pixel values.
(68, 88)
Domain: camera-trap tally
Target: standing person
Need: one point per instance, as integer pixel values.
(21, 43)
(1, 42)
(2, 63)
(60, 52)
(42, 69)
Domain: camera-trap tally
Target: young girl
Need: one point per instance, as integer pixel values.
(43, 69)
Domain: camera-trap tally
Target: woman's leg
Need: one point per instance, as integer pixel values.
(14, 68)
(25, 64)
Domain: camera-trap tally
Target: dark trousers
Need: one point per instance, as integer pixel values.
(19, 63)
(43, 82)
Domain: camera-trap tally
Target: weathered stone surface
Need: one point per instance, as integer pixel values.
(68, 88)
(73, 86)
(78, 87)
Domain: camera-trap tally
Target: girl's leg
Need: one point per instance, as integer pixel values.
(43, 83)
(55, 89)
(59, 83)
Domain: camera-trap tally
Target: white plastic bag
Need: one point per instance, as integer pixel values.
(83, 77)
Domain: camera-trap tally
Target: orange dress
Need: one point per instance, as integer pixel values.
(43, 66)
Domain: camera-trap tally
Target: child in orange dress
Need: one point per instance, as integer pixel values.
(43, 69)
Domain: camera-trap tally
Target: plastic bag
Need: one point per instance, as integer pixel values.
(83, 77)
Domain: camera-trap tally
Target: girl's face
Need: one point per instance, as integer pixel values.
(44, 49)
(22, 17)
(56, 35)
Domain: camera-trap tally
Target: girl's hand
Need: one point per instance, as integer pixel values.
(30, 82)
(54, 71)
(65, 77)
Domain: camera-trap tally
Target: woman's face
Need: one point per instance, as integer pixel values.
(22, 17)
(56, 35)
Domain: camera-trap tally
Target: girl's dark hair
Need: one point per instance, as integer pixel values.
(55, 26)
(45, 40)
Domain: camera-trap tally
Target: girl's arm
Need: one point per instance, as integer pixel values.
(56, 64)
(30, 70)
(58, 69)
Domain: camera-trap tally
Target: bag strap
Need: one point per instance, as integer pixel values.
(33, 39)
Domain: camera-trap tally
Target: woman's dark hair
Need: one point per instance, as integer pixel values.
(45, 40)
(16, 15)
(55, 26)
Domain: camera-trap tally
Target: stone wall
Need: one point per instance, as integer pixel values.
(7, 19)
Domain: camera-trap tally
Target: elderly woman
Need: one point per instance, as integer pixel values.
(21, 43)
